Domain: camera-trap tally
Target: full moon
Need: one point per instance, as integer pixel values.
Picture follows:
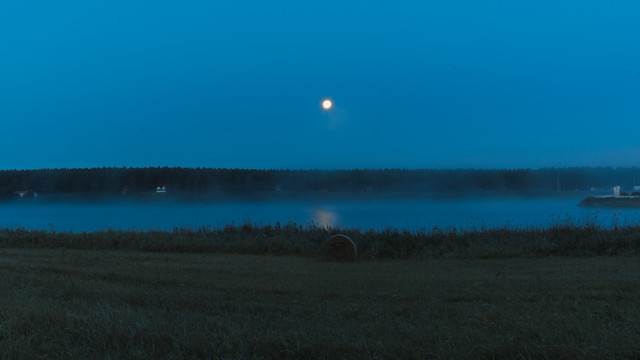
(327, 104)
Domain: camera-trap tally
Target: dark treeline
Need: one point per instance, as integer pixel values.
(109, 181)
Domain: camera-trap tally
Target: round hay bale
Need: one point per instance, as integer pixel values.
(340, 248)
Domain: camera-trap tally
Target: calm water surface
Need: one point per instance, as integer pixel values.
(380, 214)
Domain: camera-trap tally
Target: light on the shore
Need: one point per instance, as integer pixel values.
(324, 218)
(327, 104)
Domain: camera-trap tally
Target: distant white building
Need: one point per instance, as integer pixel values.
(161, 189)
(616, 191)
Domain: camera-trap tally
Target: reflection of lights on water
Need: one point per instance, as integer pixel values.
(324, 218)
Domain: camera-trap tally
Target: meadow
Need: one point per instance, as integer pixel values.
(568, 291)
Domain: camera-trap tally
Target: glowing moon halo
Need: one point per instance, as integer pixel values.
(327, 104)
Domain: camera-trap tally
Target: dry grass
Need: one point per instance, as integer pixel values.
(131, 304)
(565, 237)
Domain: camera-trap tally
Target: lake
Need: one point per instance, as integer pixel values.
(377, 214)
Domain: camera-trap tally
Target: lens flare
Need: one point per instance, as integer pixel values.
(327, 104)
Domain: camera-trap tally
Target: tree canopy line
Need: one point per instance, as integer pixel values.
(238, 182)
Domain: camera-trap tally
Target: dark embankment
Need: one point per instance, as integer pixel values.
(583, 238)
(623, 202)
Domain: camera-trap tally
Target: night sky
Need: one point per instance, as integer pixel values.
(238, 84)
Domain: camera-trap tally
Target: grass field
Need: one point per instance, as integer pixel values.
(70, 303)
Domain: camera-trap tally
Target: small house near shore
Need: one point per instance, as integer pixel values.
(25, 193)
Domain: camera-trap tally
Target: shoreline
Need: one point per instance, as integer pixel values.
(216, 197)
(611, 202)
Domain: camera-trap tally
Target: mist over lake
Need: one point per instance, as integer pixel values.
(402, 214)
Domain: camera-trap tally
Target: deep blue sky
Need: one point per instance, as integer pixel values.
(416, 84)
